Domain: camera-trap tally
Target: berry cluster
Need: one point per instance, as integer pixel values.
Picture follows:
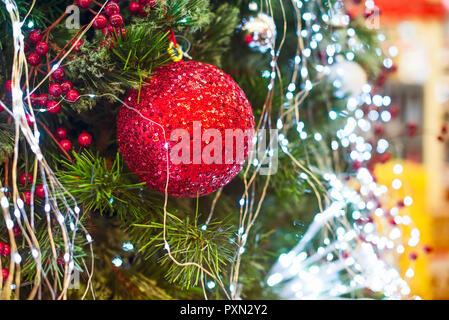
(5, 250)
(84, 139)
(140, 7)
(55, 89)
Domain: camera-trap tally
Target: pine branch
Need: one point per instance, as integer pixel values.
(209, 247)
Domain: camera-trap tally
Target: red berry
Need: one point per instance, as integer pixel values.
(5, 274)
(72, 96)
(100, 22)
(108, 30)
(40, 192)
(142, 12)
(116, 20)
(24, 178)
(112, 8)
(42, 100)
(84, 4)
(379, 130)
(34, 59)
(26, 47)
(60, 261)
(34, 99)
(26, 197)
(66, 145)
(427, 249)
(53, 106)
(150, 3)
(58, 74)
(2, 246)
(66, 86)
(413, 256)
(77, 44)
(8, 86)
(55, 90)
(395, 110)
(386, 157)
(6, 250)
(35, 36)
(134, 7)
(61, 133)
(412, 129)
(17, 231)
(85, 139)
(41, 48)
(29, 121)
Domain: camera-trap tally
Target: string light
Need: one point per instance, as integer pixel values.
(301, 273)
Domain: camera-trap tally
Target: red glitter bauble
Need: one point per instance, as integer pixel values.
(178, 95)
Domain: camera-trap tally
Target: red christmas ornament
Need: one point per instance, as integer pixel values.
(72, 96)
(100, 22)
(34, 59)
(85, 139)
(53, 106)
(58, 74)
(177, 96)
(35, 36)
(40, 192)
(61, 133)
(41, 48)
(55, 90)
(66, 145)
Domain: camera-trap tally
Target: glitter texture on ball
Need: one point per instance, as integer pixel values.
(178, 95)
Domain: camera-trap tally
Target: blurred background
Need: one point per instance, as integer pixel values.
(418, 40)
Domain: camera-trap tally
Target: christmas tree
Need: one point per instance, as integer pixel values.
(119, 176)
